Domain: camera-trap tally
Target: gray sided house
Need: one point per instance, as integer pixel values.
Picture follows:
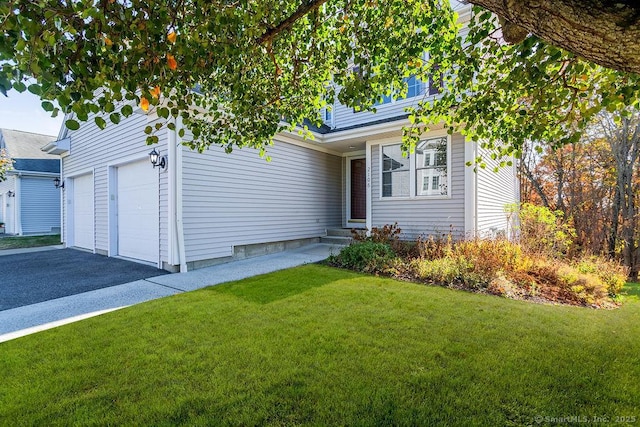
(29, 201)
(212, 207)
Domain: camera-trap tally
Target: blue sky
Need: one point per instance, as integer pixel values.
(22, 111)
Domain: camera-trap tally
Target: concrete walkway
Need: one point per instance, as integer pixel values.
(21, 321)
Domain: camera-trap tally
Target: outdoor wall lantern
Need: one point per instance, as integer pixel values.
(11, 194)
(57, 183)
(157, 160)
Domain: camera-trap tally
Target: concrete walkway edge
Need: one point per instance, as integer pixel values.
(29, 250)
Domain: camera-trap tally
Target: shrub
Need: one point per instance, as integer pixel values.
(497, 266)
(441, 271)
(365, 256)
(388, 234)
(611, 273)
(492, 256)
(433, 247)
(543, 231)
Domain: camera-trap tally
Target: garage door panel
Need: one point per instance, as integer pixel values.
(83, 211)
(138, 217)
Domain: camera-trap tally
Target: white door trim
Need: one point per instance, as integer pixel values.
(350, 222)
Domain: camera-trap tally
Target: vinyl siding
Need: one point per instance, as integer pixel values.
(94, 150)
(495, 191)
(345, 117)
(422, 216)
(240, 199)
(39, 205)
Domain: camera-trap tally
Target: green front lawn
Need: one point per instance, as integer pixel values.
(316, 345)
(19, 242)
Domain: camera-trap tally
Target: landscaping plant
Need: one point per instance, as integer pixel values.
(542, 267)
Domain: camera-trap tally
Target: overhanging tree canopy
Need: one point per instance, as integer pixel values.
(258, 62)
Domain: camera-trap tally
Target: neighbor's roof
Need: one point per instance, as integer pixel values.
(25, 145)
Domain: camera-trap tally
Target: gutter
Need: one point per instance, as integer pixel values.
(179, 224)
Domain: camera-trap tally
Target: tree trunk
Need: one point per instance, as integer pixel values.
(625, 145)
(606, 32)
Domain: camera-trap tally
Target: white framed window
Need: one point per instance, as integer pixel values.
(415, 87)
(432, 167)
(396, 172)
(423, 174)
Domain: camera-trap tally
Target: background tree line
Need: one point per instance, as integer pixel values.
(594, 182)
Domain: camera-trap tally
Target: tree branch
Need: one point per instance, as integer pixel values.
(604, 32)
(303, 9)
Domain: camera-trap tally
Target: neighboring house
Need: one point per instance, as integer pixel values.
(29, 201)
(212, 207)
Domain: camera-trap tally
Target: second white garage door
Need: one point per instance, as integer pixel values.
(138, 212)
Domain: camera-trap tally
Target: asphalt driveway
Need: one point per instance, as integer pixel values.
(30, 278)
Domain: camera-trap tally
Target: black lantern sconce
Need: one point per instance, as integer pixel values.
(58, 183)
(11, 193)
(157, 160)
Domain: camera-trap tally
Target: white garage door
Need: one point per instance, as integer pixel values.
(138, 217)
(83, 211)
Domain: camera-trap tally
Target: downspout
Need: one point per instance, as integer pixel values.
(17, 206)
(178, 201)
(172, 237)
(62, 198)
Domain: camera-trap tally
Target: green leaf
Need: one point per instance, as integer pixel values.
(19, 86)
(100, 122)
(72, 124)
(115, 118)
(35, 89)
(163, 112)
(47, 106)
(127, 110)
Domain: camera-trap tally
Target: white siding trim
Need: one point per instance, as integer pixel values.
(353, 224)
(63, 226)
(369, 188)
(180, 199)
(172, 247)
(112, 211)
(470, 185)
(17, 218)
(294, 138)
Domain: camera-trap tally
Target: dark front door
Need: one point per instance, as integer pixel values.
(358, 189)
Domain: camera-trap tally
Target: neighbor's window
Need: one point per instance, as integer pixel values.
(395, 172)
(431, 167)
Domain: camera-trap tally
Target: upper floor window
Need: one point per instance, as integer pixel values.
(436, 82)
(425, 173)
(327, 116)
(414, 88)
